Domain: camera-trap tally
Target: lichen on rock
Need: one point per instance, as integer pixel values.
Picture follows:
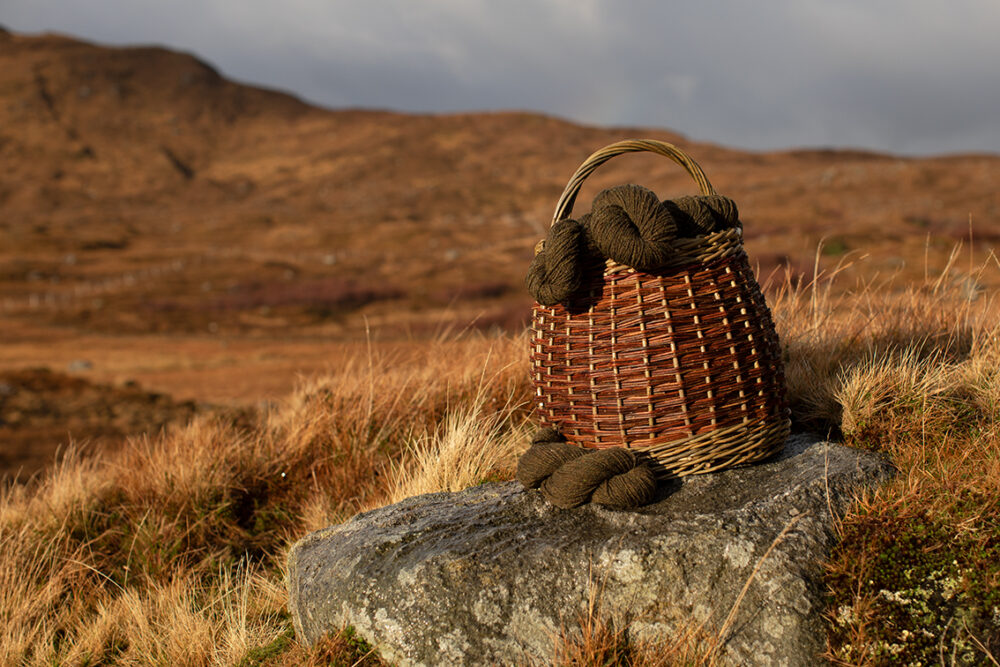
(493, 574)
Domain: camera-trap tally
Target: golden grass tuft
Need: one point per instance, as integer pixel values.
(474, 444)
(602, 638)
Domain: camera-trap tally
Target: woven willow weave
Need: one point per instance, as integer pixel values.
(682, 364)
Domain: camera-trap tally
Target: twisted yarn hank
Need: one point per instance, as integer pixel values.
(629, 225)
(555, 272)
(628, 222)
(569, 476)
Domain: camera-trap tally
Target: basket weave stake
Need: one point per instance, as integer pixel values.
(682, 364)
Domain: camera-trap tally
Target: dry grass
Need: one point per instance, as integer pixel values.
(599, 639)
(913, 373)
(826, 333)
(171, 551)
(474, 443)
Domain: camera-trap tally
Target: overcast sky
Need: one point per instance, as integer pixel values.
(906, 76)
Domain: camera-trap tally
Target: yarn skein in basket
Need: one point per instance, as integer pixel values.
(674, 357)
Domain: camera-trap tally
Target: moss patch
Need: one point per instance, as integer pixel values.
(915, 590)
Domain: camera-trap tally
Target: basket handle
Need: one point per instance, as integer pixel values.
(568, 198)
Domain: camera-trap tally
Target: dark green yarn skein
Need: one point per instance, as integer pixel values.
(569, 476)
(629, 225)
(555, 272)
(697, 216)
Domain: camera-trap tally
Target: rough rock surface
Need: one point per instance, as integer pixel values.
(490, 575)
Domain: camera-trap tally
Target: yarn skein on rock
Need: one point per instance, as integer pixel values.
(569, 476)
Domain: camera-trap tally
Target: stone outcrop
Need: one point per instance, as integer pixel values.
(493, 574)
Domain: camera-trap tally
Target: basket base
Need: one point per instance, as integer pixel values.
(724, 448)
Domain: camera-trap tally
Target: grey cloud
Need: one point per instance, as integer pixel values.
(906, 76)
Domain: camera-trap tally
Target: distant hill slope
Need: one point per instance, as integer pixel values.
(142, 191)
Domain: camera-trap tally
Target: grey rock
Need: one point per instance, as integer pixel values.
(78, 365)
(493, 574)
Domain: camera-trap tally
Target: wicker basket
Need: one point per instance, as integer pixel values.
(682, 364)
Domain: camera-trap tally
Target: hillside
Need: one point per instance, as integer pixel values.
(187, 200)
(210, 239)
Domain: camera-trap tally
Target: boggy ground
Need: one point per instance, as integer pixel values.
(40, 408)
